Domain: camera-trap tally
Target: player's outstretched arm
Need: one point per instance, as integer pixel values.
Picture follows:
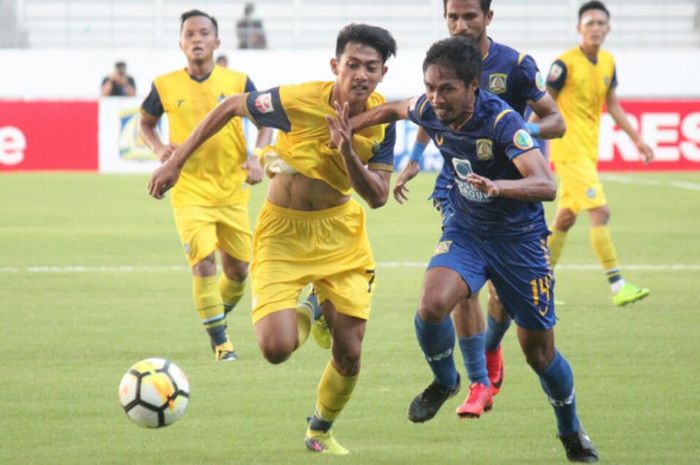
(385, 113)
(546, 122)
(620, 117)
(166, 176)
(412, 168)
(536, 185)
(373, 186)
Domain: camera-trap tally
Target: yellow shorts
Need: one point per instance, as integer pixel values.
(579, 187)
(202, 230)
(328, 248)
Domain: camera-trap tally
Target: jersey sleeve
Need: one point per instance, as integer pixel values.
(265, 108)
(152, 103)
(613, 81)
(512, 135)
(530, 79)
(416, 108)
(249, 86)
(557, 75)
(383, 155)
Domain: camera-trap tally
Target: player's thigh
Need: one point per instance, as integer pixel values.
(196, 226)
(580, 186)
(521, 274)
(233, 231)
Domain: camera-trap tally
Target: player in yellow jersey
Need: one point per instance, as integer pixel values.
(581, 81)
(309, 229)
(210, 202)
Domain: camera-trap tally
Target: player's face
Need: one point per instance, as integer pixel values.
(465, 18)
(593, 27)
(198, 39)
(451, 99)
(359, 69)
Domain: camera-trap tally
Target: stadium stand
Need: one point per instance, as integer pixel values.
(309, 24)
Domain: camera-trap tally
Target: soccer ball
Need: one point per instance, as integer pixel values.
(154, 393)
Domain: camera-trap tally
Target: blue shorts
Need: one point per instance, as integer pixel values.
(520, 272)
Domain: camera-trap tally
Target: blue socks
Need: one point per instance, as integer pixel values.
(495, 332)
(474, 359)
(437, 341)
(557, 380)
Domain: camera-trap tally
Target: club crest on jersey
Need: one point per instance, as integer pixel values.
(484, 149)
(497, 83)
(523, 140)
(591, 193)
(442, 247)
(539, 82)
(263, 103)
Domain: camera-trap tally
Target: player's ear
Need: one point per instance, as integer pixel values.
(334, 65)
(218, 43)
(384, 70)
(489, 18)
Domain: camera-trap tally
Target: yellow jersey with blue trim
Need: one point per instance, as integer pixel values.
(583, 85)
(303, 142)
(213, 175)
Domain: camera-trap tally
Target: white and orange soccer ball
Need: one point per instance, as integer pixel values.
(154, 393)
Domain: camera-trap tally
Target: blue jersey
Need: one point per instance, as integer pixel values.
(485, 145)
(511, 75)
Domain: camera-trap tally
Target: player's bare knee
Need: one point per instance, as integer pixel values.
(205, 267)
(434, 309)
(537, 359)
(277, 351)
(348, 363)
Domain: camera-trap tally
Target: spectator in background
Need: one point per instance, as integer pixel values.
(119, 83)
(250, 30)
(222, 60)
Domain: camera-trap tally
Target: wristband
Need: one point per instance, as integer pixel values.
(417, 151)
(533, 129)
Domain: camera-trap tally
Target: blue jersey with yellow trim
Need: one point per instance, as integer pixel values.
(512, 76)
(485, 145)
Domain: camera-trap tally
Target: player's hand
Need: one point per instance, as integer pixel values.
(163, 179)
(409, 172)
(164, 152)
(340, 129)
(483, 185)
(254, 169)
(645, 151)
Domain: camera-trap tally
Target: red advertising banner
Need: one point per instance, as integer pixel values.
(670, 127)
(48, 135)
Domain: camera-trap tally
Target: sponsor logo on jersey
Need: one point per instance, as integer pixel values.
(263, 103)
(497, 83)
(523, 140)
(442, 247)
(484, 149)
(539, 82)
(555, 72)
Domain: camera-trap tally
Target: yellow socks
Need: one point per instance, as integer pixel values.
(334, 391)
(304, 320)
(607, 256)
(556, 242)
(207, 301)
(231, 291)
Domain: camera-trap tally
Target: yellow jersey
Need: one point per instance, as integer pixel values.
(213, 175)
(303, 141)
(583, 86)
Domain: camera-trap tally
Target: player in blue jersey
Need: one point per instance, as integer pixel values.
(495, 231)
(515, 78)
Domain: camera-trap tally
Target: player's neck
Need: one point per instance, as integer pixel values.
(591, 51)
(484, 46)
(200, 70)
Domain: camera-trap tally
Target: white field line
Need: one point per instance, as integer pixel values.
(693, 186)
(180, 268)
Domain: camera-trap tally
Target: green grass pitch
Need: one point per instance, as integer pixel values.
(93, 279)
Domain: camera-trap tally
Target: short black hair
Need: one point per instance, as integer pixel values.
(484, 4)
(594, 5)
(457, 53)
(192, 13)
(373, 36)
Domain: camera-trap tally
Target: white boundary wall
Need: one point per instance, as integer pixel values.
(32, 74)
